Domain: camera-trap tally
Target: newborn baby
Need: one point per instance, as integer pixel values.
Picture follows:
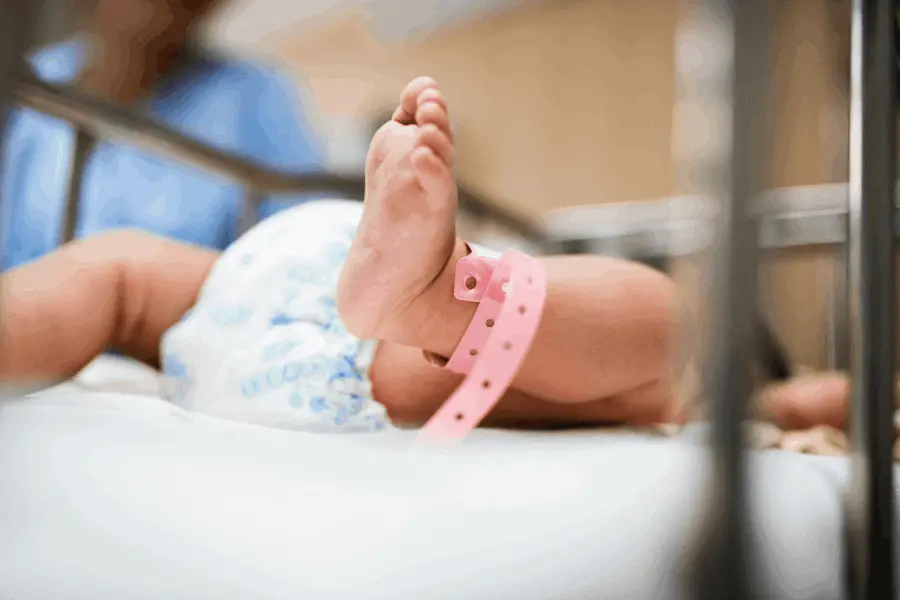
(338, 316)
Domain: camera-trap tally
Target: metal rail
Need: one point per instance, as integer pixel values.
(873, 115)
(724, 91)
(18, 26)
(793, 217)
(103, 120)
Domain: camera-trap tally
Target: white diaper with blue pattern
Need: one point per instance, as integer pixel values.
(264, 343)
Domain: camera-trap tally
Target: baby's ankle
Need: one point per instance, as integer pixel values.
(436, 320)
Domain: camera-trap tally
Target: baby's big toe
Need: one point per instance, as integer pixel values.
(409, 99)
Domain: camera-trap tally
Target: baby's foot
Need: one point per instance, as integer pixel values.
(407, 234)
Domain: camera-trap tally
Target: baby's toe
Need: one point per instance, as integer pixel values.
(433, 138)
(429, 168)
(433, 113)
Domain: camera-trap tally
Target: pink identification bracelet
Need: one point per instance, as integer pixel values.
(511, 293)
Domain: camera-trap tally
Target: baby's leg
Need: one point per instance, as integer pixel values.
(119, 290)
(602, 352)
(605, 337)
(808, 401)
(412, 390)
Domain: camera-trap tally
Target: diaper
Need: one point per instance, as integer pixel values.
(264, 343)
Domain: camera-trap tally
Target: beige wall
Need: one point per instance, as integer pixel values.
(570, 102)
(811, 135)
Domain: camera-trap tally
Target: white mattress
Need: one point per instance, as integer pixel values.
(116, 495)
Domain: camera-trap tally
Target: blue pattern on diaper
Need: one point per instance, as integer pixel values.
(174, 367)
(310, 367)
(177, 380)
(282, 319)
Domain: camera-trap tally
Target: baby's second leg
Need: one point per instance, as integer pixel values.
(411, 390)
(605, 337)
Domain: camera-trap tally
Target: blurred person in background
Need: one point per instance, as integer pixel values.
(143, 54)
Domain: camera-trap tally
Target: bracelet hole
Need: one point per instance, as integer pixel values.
(460, 416)
(489, 323)
(485, 384)
(522, 310)
(471, 282)
(473, 352)
(530, 281)
(507, 345)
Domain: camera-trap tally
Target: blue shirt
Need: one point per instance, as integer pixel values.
(241, 107)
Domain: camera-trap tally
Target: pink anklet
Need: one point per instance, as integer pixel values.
(511, 294)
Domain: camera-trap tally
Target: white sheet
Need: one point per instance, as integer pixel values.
(108, 495)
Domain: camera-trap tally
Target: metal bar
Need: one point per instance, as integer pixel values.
(735, 309)
(107, 121)
(839, 313)
(18, 29)
(790, 217)
(250, 214)
(84, 144)
(873, 106)
(730, 91)
(19, 20)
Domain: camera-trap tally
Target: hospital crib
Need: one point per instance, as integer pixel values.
(476, 540)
